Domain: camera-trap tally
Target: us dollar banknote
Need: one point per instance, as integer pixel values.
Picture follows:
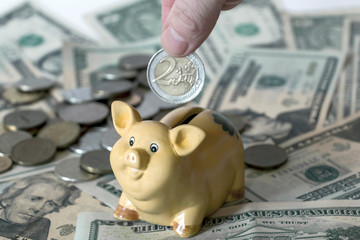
(28, 31)
(316, 31)
(324, 31)
(107, 189)
(42, 206)
(128, 22)
(255, 23)
(281, 93)
(81, 63)
(288, 220)
(322, 164)
(16, 70)
(350, 84)
(356, 73)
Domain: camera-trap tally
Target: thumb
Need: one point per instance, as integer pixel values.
(188, 23)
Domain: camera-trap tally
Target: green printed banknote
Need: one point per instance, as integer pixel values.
(288, 220)
(322, 164)
(28, 31)
(81, 63)
(128, 22)
(281, 93)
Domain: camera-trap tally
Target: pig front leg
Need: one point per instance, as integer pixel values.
(126, 210)
(188, 222)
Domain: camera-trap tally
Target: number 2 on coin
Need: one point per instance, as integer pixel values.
(172, 64)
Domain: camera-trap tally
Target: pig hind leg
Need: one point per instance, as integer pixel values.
(237, 189)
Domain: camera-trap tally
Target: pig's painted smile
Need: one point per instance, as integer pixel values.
(134, 173)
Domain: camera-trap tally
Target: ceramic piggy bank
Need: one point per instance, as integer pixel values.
(177, 171)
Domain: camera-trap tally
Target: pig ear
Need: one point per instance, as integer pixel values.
(123, 116)
(186, 138)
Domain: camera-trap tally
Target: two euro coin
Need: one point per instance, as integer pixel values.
(175, 80)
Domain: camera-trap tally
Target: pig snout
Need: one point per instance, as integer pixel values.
(136, 159)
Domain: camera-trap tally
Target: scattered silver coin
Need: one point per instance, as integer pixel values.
(97, 161)
(14, 96)
(69, 170)
(26, 120)
(53, 120)
(89, 141)
(35, 85)
(5, 163)
(33, 151)
(111, 73)
(141, 78)
(108, 89)
(109, 138)
(134, 61)
(9, 139)
(109, 121)
(134, 99)
(61, 133)
(84, 113)
(3, 104)
(151, 105)
(175, 80)
(78, 95)
(265, 156)
(239, 122)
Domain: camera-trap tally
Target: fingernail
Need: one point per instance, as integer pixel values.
(173, 42)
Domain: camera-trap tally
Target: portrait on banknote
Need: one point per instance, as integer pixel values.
(285, 126)
(24, 204)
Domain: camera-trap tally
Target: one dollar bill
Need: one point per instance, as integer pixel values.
(28, 31)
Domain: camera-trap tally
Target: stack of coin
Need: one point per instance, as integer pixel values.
(83, 121)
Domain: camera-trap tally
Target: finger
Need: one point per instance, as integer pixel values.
(188, 24)
(166, 6)
(229, 4)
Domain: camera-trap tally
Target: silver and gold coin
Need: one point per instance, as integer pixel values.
(89, 141)
(89, 113)
(26, 120)
(14, 96)
(69, 170)
(175, 80)
(35, 85)
(5, 163)
(61, 133)
(265, 156)
(109, 138)
(96, 162)
(9, 139)
(134, 61)
(33, 151)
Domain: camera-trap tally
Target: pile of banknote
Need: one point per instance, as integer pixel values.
(289, 81)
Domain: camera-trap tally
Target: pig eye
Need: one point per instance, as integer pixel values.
(132, 140)
(154, 147)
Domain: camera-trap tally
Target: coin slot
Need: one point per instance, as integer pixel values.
(188, 119)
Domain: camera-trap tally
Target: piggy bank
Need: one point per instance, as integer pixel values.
(178, 170)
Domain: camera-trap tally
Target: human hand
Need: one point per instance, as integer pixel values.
(187, 23)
